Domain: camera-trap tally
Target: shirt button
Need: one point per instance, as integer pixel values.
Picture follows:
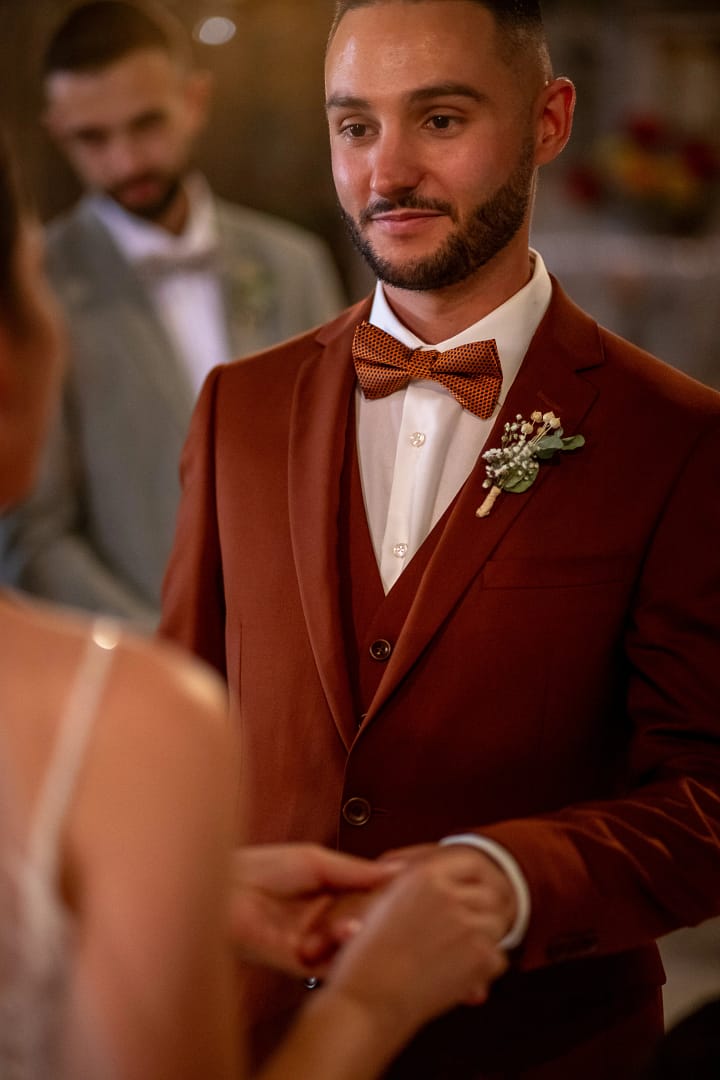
(380, 649)
(400, 551)
(357, 811)
(417, 439)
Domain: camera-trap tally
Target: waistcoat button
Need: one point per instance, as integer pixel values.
(357, 811)
(380, 649)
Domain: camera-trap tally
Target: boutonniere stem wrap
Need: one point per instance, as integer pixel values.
(514, 465)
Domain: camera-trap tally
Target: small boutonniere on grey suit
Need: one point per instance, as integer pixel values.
(514, 465)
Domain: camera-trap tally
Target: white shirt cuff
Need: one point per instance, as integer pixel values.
(509, 865)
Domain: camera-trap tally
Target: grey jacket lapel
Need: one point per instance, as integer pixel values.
(100, 290)
(246, 285)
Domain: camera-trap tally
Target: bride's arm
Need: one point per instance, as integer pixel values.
(422, 948)
(148, 841)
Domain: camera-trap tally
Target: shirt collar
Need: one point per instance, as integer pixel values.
(138, 239)
(512, 325)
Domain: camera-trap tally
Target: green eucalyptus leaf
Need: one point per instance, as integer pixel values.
(510, 479)
(573, 442)
(517, 483)
(520, 485)
(549, 442)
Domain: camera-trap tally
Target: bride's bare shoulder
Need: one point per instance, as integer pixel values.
(44, 647)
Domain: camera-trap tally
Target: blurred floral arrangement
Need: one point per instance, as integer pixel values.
(653, 174)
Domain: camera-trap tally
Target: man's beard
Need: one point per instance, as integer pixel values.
(490, 228)
(158, 207)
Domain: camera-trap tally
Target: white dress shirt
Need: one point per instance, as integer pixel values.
(418, 446)
(179, 276)
(416, 449)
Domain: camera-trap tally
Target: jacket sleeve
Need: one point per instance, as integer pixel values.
(44, 551)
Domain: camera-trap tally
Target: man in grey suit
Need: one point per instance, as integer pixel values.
(160, 281)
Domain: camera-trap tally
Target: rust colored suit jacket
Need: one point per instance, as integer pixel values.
(554, 682)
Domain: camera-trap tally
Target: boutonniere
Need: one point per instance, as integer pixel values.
(253, 291)
(514, 465)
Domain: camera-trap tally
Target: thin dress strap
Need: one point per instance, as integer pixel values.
(73, 733)
(37, 953)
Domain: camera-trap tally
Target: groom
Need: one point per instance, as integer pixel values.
(529, 697)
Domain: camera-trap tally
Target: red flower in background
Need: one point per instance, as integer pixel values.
(668, 176)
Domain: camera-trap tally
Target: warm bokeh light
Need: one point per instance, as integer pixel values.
(215, 30)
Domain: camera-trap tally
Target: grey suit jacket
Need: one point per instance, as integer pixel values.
(97, 531)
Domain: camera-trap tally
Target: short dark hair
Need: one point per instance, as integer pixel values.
(100, 32)
(509, 12)
(520, 21)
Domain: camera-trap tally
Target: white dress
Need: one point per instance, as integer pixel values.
(35, 928)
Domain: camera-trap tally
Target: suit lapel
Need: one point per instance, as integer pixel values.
(124, 315)
(564, 345)
(248, 290)
(320, 409)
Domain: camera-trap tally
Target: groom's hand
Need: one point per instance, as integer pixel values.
(487, 891)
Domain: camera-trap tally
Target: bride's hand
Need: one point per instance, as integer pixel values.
(279, 895)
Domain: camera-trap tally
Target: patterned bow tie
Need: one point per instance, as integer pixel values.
(471, 373)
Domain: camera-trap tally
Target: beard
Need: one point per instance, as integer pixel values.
(489, 228)
(169, 188)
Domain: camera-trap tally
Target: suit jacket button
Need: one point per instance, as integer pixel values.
(380, 649)
(357, 811)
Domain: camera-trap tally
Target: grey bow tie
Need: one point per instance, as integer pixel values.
(163, 264)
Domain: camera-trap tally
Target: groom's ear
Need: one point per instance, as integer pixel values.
(554, 119)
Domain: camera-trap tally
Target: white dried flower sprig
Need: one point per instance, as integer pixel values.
(514, 465)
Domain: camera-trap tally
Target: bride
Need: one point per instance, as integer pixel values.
(117, 902)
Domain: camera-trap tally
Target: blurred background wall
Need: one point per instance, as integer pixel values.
(643, 267)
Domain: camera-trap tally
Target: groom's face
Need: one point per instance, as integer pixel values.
(431, 138)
